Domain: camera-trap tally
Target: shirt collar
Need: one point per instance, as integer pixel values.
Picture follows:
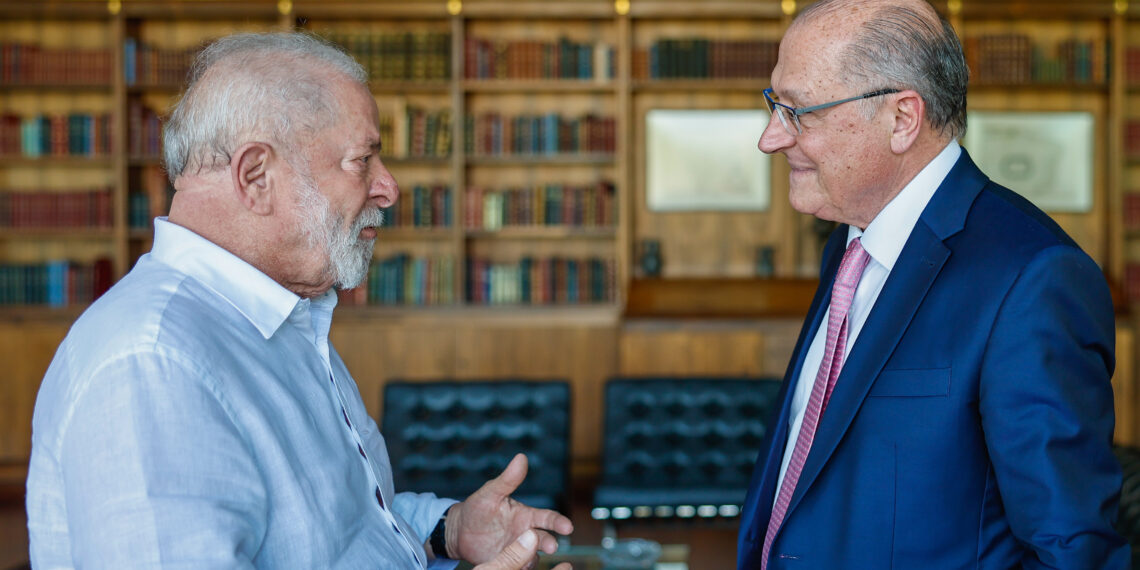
(263, 301)
(886, 235)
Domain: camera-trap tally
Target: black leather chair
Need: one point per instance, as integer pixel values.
(680, 447)
(450, 437)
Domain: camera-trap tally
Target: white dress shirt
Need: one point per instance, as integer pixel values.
(883, 239)
(196, 417)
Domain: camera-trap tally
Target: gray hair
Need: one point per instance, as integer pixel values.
(248, 86)
(900, 47)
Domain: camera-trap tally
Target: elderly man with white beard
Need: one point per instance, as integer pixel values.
(196, 415)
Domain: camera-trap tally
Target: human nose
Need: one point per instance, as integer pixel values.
(775, 137)
(384, 189)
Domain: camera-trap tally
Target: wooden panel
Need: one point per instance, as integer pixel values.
(586, 355)
(673, 348)
(719, 298)
(1124, 388)
(26, 349)
(376, 352)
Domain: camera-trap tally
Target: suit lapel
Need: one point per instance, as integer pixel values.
(914, 272)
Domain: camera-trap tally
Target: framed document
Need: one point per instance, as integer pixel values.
(1046, 157)
(706, 160)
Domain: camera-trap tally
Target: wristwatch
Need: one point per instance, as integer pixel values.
(438, 539)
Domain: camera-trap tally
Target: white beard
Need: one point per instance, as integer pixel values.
(348, 255)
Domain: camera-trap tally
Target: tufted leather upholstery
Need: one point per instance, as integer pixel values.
(450, 437)
(1128, 519)
(681, 446)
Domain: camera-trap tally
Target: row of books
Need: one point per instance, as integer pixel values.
(1132, 282)
(403, 279)
(703, 58)
(139, 212)
(406, 56)
(537, 59)
(73, 209)
(1014, 58)
(540, 281)
(1132, 138)
(144, 64)
(30, 64)
(422, 207)
(541, 205)
(429, 132)
(1131, 207)
(75, 134)
(492, 134)
(55, 283)
(144, 129)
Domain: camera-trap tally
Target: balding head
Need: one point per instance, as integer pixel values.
(900, 44)
(244, 87)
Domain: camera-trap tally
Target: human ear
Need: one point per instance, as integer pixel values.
(909, 113)
(250, 168)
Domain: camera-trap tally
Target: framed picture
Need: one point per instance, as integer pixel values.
(706, 160)
(1046, 157)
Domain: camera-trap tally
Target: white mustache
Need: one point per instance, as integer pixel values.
(371, 218)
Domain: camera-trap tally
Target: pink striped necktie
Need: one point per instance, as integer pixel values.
(842, 292)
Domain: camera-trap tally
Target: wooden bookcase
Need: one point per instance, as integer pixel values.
(492, 62)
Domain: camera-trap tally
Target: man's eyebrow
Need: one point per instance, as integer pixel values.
(792, 95)
(370, 144)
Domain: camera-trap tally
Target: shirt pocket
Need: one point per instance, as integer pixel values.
(912, 383)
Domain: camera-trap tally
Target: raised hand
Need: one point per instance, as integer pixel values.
(481, 527)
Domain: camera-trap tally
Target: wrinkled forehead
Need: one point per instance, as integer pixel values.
(809, 63)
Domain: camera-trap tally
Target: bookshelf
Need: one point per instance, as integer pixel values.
(498, 114)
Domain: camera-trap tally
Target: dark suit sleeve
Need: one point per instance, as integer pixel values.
(1046, 406)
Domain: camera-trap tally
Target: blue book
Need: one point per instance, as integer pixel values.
(572, 281)
(57, 283)
(129, 60)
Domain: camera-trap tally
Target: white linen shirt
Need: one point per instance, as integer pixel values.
(883, 240)
(196, 417)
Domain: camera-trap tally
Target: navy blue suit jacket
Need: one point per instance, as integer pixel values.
(971, 424)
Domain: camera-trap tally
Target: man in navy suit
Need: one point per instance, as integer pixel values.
(963, 417)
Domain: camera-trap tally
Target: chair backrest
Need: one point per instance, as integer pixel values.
(681, 447)
(450, 437)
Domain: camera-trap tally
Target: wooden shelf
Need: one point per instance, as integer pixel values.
(416, 161)
(1097, 88)
(212, 10)
(34, 87)
(55, 161)
(664, 85)
(542, 233)
(145, 161)
(56, 233)
(705, 10)
(40, 313)
(55, 9)
(532, 315)
(539, 159)
(408, 234)
(538, 85)
(719, 298)
(400, 86)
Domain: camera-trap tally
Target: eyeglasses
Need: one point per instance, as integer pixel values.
(790, 116)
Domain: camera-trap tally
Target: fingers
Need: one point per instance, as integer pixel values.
(509, 479)
(551, 520)
(547, 542)
(518, 555)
